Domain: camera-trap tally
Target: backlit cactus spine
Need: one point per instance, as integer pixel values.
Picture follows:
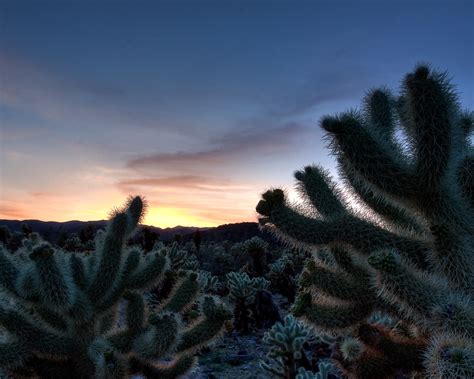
(60, 310)
(409, 248)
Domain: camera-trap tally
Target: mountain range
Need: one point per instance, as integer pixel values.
(51, 230)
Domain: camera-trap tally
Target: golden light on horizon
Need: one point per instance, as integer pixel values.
(164, 217)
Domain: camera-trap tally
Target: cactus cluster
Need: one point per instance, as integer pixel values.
(402, 243)
(60, 312)
(209, 283)
(244, 292)
(286, 353)
(180, 261)
(283, 277)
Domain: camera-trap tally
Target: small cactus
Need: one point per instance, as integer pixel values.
(243, 291)
(286, 347)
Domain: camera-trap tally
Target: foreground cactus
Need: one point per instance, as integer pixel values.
(59, 311)
(408, 248)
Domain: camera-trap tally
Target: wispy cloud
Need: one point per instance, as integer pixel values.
(183, 181)
(256, 139)
(11, 210)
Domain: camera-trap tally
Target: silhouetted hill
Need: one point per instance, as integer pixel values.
(234, 233)
(51, 230)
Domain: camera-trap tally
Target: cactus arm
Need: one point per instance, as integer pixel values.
(315, 183)
(390, 210)
(108, 321)
(330, 317)
(159, 339)
(183, 295)
(421, 296)
(109, 258)
(466, 179)
(345, 230)
(33, 335)
(123, 340)
(113, 297)
(352, 141)
(135, 311)
(449, 258)
(27, 285)
(202, 331)
(199, 333)
(135, 210)
(335, 284)
(8, 271)
(110, 252)
(54, 290)
(150, 274)
(52, 318)
(396, 281)
(404, 352)
(13, 354)
(430, 103)
(78, 271)
(378, 106)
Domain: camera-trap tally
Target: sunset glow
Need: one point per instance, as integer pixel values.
(198, 115)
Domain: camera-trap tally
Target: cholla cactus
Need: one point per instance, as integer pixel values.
(283, 277)
(208, 282)
(256, 250)
(242, 288)
(59, 311)
(243, 291)
(180, 260)
(286, 348)
(408, 249)
(325, 368)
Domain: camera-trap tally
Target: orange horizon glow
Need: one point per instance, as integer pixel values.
(45, 207)
(162, 217)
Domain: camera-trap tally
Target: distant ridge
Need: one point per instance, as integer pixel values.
(52, 230)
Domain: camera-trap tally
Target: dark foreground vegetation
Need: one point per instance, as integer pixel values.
(378, 290)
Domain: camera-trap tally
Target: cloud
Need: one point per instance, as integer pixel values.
(182, 181)
(10, 210)
(257, 138)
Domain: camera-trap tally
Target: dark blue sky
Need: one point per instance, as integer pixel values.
(198, 105)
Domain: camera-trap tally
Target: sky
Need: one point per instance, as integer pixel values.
(199, 106)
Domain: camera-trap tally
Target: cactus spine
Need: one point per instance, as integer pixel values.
(408, 250)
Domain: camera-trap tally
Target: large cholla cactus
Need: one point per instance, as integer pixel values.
(59, 311)
(407, 249)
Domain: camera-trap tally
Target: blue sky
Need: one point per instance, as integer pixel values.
(197, 105)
